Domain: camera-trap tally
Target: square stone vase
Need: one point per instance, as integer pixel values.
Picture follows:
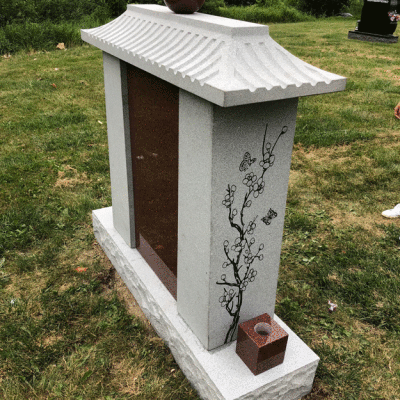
(261, 343)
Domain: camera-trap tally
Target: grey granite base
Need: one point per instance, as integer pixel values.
(372, 37)
(216, 375)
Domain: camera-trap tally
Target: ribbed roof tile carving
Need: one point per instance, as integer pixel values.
(225, 61)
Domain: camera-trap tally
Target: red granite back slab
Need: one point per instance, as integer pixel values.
(154, 128)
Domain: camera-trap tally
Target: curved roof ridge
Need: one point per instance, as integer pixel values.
(225, 61)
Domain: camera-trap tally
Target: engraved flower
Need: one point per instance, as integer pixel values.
(268, 157)
(228, 200)
(251, 227)
(268, 161)
(223, 300)
(248, 258)
(258, 187)
(229, 197)
(239, 244)
(244, 284)
(249, 179)
(227, 297)
(252, 275)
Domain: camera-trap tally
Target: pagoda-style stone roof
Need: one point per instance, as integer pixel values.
(225, 61)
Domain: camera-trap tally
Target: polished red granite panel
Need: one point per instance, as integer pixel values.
(158, 266)
(154, 127)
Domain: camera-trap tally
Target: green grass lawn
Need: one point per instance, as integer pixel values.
(68, 326)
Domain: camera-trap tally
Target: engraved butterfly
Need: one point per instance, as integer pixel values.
(269, 217)
(247, 161)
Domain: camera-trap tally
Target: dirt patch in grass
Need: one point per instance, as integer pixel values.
(66, 180)
(87, 255)
(373, 56)
(51, 340)
(346, 219)
(319, 392)
(32, 284)
(127, 377)
(387, 73)
(389, 134)
(335, 278)
(298, 178)
(322, 155)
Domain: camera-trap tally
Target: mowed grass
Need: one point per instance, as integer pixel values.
(337, 247)
(65, 329)
(68, 326)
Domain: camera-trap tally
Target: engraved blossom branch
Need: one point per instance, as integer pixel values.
(242, 253)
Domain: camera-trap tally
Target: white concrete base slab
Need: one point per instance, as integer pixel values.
(216, 375)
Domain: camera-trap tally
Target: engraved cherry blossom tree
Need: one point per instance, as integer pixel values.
(243, 252)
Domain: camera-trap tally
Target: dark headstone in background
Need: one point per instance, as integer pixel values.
(375, 23)
(375, 17)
